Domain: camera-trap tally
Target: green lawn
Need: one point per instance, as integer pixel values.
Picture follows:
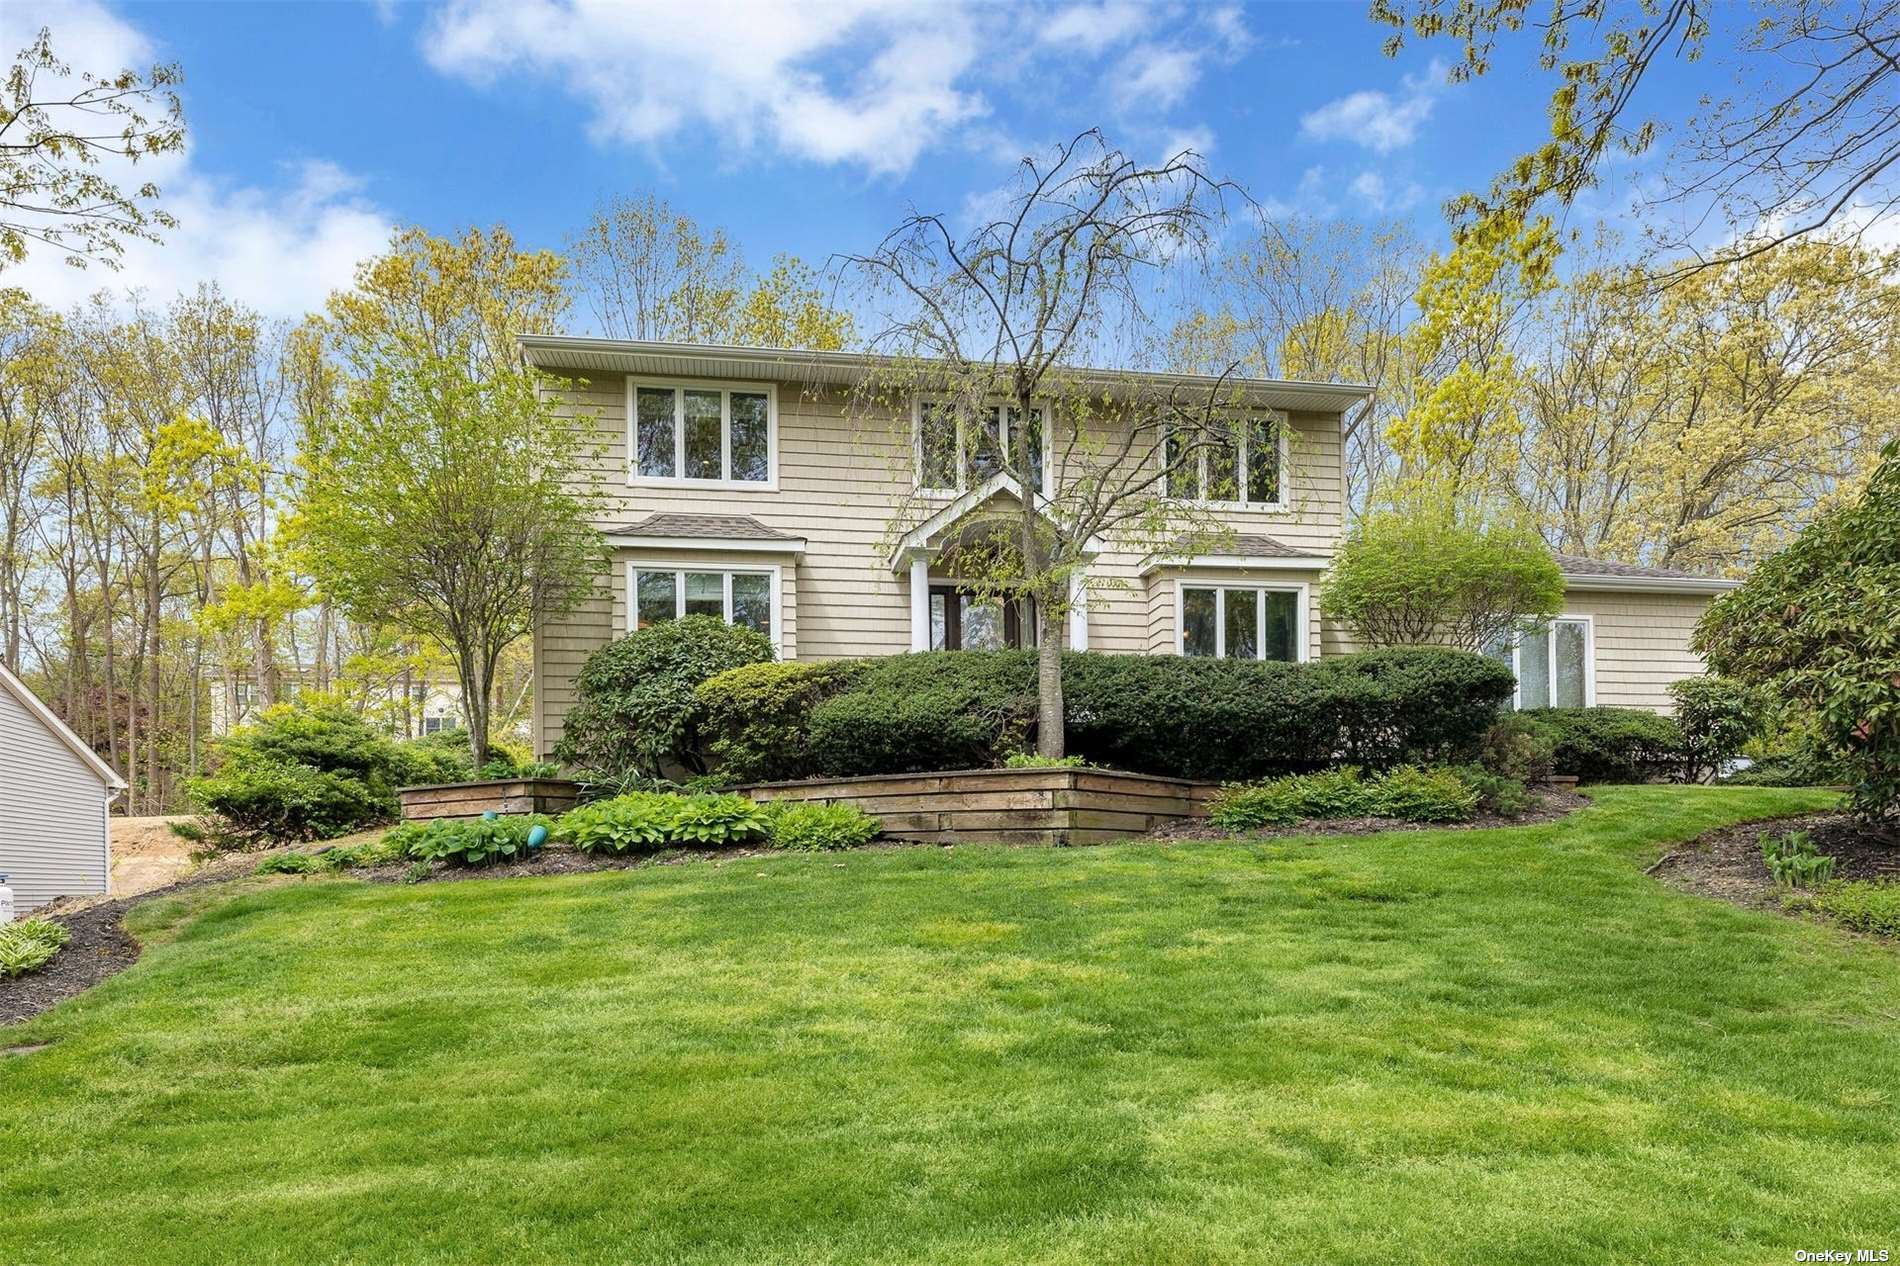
(1502, 1046)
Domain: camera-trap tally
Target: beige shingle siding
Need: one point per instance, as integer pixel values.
(1642, 643)
(52, 812)
(841, 480)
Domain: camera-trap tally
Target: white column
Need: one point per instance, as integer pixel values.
(920, 601)
(1078, 613)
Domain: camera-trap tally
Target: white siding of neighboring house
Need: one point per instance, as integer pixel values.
(52, 812)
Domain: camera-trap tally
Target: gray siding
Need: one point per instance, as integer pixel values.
(52, 812)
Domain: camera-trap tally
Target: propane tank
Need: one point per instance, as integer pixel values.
(6, 902)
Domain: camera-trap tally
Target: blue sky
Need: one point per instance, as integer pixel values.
(315, 128)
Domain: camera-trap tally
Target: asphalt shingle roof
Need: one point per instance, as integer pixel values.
(1572, 565)
(720, 527)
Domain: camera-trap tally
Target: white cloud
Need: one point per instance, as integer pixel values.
(1377, 194)
(1152, 77)
(1377, 120)
(279, 250)
(868, 82)
(1094, 27)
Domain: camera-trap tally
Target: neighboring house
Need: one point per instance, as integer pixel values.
(433, 705)
(741, 484)
(55, 795)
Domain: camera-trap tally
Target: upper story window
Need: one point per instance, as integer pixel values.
(703, 433)
(1244, 464)
(952, 458)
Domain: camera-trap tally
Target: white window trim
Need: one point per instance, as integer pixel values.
(679, 387)
(1589, 662)
(727, 570)
(1304, 643)
(1282, 427)
(963, 469)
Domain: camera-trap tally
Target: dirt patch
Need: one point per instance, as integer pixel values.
(1550, 806)
(146, 855)
(1726, 863)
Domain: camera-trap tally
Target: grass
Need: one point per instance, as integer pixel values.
(1443, 1046)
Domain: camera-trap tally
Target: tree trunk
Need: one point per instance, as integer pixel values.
(1051, 716)
(473, 672)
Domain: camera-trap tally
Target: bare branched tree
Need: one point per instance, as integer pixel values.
(1811, 143)
(1039, 459)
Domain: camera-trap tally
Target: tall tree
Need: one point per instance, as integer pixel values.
(993, 328)
(433, 499)
(57, 131)
(438, 504)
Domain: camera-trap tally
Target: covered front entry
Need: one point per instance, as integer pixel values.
(944, 615)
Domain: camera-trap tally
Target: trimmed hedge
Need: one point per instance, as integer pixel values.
(1611, 744)
(635, 711)
(1158, 714)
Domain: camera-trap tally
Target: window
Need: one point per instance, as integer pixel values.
(952, 458)
(1241, 622)
(707, 433)
(748, 596)
(435, 725)
(1242, 463)
(961, 622)
(1552, 664)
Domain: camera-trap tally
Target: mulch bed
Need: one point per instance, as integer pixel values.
(99, 948)
(1550, 806)
(1726, 863)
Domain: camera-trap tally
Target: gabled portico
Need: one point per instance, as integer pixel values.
(998, 500)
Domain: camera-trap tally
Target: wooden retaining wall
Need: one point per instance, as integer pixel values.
(463, 800)
(1015, 806)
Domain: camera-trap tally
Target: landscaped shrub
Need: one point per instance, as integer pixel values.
(811, 827)
(1334, 793)
(1857, 903)
(1815, 624)
(934, 710)
(635, 708)
(755, 720)
(29, 945)
(1611, 744)
(1793, 862)
(1716, 718)
(1518, 748)
(444, 757)
(476, 842)
(1791, 753)
(1424, 795)
(292, 864)
(1158, 714)
(716, 821)
(1497, 793)
(634, 823)
(1036, 760)
(298, 774)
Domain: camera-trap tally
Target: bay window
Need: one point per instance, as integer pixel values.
(1552, 664)
(952, 457)
(748, 596)
(712, 433)
(1240, 621)
(1240, 461)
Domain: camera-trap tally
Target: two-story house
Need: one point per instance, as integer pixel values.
(742, 483)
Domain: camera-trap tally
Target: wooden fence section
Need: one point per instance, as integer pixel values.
(1013, 806)
(463, 800)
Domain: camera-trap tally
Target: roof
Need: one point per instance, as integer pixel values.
(60, 730)
(703, 531)
(1240, 550)
(629, 356)
(1597, 573)
(732, 527)
(1001, 485)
